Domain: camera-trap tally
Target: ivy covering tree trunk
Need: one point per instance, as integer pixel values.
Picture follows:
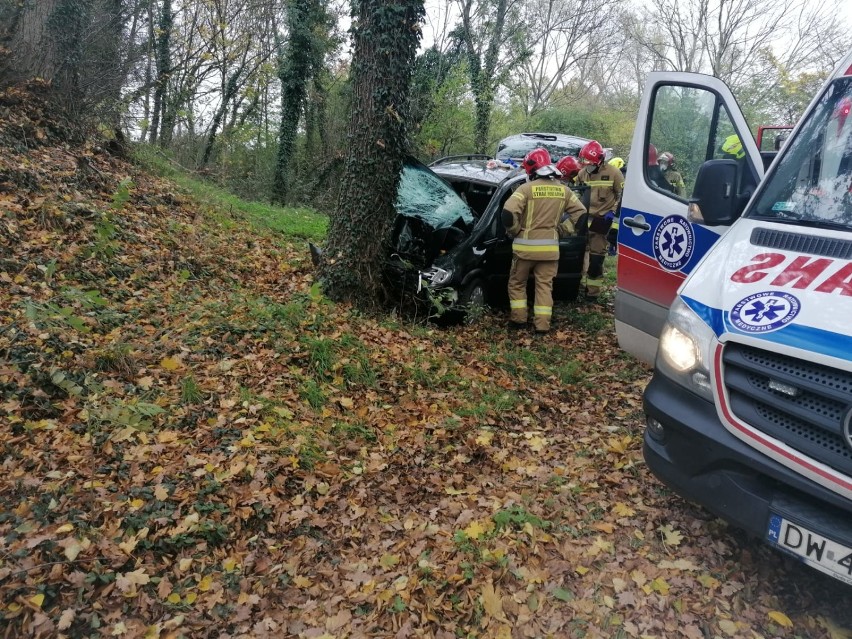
(301, 59)
(386, 36)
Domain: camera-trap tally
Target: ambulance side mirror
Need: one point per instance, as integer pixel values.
(715, 201)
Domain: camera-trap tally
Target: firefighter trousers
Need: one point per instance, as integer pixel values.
(544, 271)
(596, 249)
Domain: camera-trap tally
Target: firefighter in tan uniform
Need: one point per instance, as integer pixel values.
(533, 216)
(606, 184)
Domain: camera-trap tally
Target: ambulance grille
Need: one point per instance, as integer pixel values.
(801, 243)
(799, 403)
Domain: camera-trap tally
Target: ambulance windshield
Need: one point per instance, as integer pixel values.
(812, 185)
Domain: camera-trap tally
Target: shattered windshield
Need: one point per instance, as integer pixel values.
(424, 196)
(813, 183)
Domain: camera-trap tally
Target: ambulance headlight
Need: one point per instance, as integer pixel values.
(686, 345)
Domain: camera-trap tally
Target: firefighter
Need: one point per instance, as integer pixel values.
(606, 184)
(732, 148)
(673, 177)
(612, 234)
(569, 167)
(533, 216)
(618, 163)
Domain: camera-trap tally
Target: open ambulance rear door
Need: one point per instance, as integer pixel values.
(696, 118)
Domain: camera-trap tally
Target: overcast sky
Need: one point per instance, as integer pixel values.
(436, 15)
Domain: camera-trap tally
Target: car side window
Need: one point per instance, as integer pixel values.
(689, 125)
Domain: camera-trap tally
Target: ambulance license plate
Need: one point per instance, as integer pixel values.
(812, 548)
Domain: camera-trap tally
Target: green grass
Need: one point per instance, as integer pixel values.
(293, 222)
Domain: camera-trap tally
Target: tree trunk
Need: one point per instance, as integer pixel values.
(386, 36)
(231, 89)
(28, 35)
(296, 65)
(164, 63)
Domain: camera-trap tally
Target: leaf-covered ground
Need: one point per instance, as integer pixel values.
(195, 443)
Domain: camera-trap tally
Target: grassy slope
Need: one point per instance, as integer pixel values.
(197, 443)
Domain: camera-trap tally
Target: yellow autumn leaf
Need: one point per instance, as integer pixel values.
(230, 564)
(37, 600)
(161, 493)
(623, 510)
(474, 530)
(169, 364)
(537, 443)
(190, 598)
(173, 598)
(205, 583)
(728, 627)
(492, 602)
(64, 528)
(302, 582)
(619, 446)
(659, 584)
(708, 581)
(137, 503)
(780, 618)
(671, 537)
(167, 436)
(184, 564)
(484, 438)
(389, 561)
(581, 570)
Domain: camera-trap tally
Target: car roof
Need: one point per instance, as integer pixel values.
(479, 171)
(546, 137)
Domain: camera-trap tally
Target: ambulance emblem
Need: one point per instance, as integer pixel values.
(674, 242)
(764, 312)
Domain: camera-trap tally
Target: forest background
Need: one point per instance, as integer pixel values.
(255, 94)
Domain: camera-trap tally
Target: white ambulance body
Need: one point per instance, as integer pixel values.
(742, 296)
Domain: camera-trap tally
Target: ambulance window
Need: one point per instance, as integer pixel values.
(812, 183)
(689, 126)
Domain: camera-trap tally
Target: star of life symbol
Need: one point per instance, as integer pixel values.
(674, 242)
(764, 312)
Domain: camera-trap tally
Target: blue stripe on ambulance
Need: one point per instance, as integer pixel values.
(806, 338)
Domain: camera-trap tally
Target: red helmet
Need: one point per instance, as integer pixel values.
(592, 153)
(568, 166)
(535, 160)
(652, 155)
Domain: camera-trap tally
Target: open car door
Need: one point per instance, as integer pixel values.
(695, 118)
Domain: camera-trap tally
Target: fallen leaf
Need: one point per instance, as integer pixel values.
(780, 618)
(66, 618)
(170, 364)
(492, 602)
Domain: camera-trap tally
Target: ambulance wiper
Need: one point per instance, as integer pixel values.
(803, 220)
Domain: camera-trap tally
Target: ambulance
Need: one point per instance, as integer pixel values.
(740, 295)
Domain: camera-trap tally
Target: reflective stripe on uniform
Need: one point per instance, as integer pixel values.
(600, 183)
(550, 248)
(518, 303)
(542, 242)
(529, 219)
(594, 283)
(543, 310)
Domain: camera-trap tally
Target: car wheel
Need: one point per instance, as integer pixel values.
(472, 301)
